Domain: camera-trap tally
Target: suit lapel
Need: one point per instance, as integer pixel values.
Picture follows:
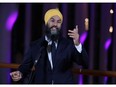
(60, 48)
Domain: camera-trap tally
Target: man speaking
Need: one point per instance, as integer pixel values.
(52, 56)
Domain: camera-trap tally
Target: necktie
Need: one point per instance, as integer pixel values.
(53, 50)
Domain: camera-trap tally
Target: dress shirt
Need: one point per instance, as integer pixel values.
(79, 49)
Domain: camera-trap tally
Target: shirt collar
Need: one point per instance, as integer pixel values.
(48, 40)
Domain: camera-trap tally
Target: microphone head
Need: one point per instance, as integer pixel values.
(44, 43)
(36, 61)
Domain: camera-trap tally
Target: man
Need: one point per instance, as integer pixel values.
(53, 55)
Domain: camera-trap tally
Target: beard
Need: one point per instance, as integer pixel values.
(53, 32)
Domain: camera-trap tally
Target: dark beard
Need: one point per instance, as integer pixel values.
(52, 35)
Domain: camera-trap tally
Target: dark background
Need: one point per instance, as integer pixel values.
(28, 26)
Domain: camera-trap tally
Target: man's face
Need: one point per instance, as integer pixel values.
(54, 24)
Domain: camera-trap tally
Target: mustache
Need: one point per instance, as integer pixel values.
(53, 27)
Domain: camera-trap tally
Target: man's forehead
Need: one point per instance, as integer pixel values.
(55, 17)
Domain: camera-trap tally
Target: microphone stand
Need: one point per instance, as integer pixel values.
(33, 68)
(44, 45)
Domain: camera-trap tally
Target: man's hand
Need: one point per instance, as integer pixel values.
(16, 75)
(75, 35)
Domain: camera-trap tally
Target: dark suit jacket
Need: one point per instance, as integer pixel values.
(65, 56)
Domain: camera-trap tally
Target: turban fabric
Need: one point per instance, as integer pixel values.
(50, 13)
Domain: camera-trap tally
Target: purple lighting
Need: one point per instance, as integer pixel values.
(11, 20)
(105, 79)
(83, 37)
(107, 44)
(81, 79)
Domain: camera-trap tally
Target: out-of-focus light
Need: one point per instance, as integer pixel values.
(11, 20)
(86, 20)
(111, 11)
(86, 23)
(83, 37)
(107, 43)
(81, 79)
(105, 79)
(111, 29)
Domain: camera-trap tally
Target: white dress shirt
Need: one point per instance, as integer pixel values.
(79, 49)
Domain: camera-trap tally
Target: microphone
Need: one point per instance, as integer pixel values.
(43, 44)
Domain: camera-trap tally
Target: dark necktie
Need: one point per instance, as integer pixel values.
(53, 50)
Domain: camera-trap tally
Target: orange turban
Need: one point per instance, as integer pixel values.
(52, 12)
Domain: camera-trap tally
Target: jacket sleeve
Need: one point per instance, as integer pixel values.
(27, 63)
(80, 58)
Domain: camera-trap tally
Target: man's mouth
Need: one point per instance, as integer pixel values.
(53, 27)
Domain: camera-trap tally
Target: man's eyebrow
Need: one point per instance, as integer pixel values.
(59, 20)
(51, 18)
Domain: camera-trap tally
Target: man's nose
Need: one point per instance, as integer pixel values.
(55, 23)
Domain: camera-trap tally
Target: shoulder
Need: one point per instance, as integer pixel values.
(37, 43)
(66, 40)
